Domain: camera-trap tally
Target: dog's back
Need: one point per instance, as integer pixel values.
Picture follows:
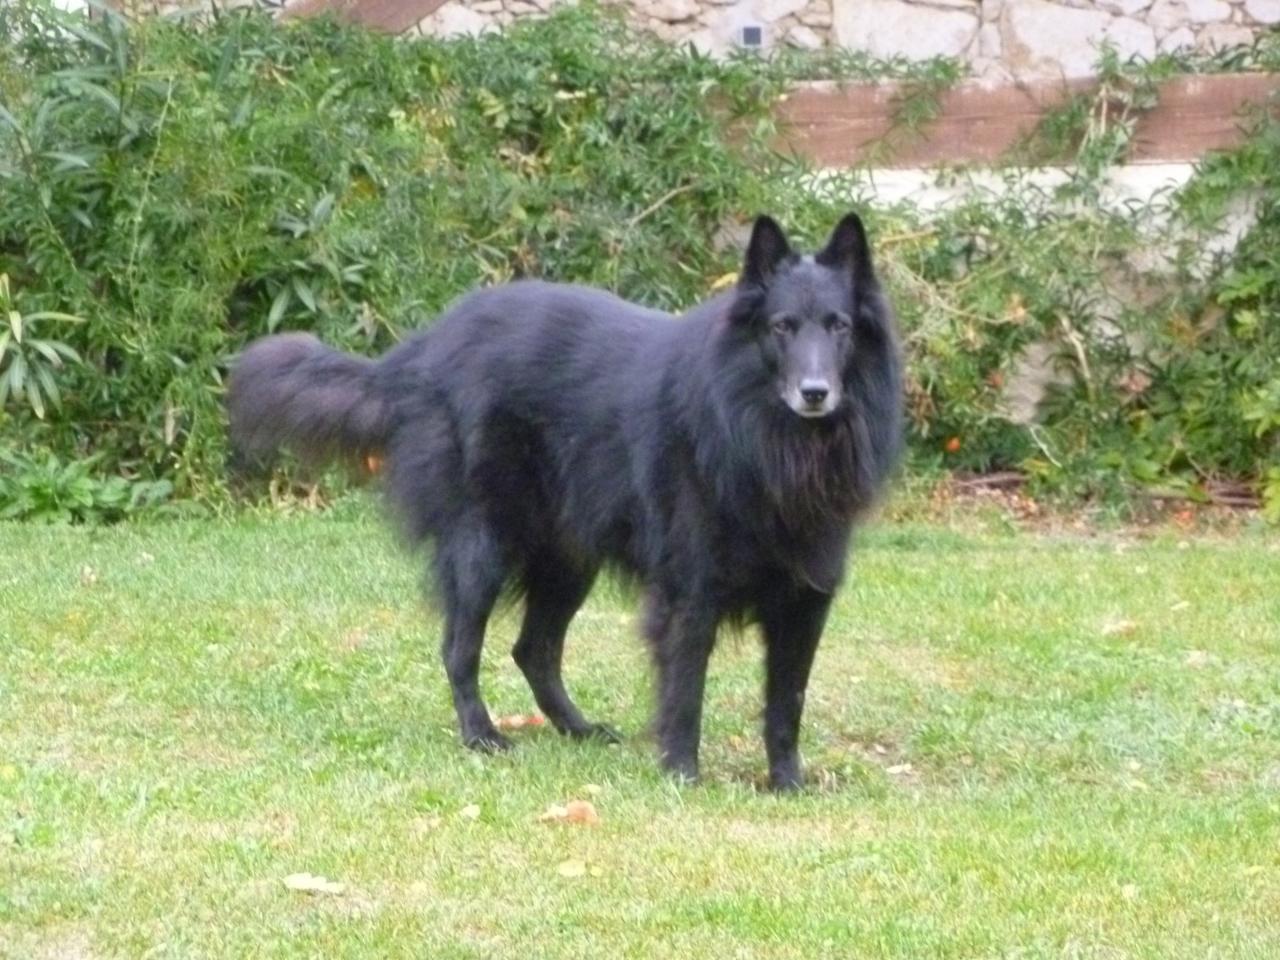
(516, 405)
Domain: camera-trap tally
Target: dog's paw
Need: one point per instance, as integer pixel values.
(786, 784)
(489, 741)
(684, 771)
(601, 732)
(786, 777)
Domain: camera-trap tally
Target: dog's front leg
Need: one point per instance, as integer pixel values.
(682, 632)
(793, 623)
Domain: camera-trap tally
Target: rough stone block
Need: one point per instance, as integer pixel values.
(669, 11)
(1263, 11)
(1045, 39)
(1131, 38)
(803, 38)
(1179, 39)
(887, 28)
(1216, 36)
(1208, 11)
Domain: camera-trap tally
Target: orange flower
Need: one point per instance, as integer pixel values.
(952, 445)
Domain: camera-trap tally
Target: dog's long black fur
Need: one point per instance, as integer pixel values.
(538, 432)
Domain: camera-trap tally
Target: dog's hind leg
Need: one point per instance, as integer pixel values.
(550, 603)
(471, 569)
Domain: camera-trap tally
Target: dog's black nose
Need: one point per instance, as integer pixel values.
(814, 392)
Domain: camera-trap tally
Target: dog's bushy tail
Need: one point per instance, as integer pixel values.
(292, 391)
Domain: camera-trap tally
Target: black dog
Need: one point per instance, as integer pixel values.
(538, 432)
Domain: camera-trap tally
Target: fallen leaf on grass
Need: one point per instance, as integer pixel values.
(515, 721)
(310, 883)
(576, 869)
(1180, 606)
(355, 639)
(575, 811)
(423, 825)
(1118, 628)
(898, 769)
(471, 811)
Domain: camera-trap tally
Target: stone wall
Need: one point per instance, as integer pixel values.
(998, 38)
(713, 26)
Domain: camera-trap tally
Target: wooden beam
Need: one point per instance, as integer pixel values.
(839, 126)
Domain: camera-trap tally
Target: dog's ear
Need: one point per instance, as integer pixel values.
(848, 250)
(767, 248)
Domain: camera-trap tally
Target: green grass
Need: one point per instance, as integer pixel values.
(1019, 746)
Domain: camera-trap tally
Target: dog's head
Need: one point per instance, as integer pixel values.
(806, 312)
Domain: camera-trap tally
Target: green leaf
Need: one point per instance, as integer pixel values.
(87, 35)
(11, 120)
(322, 210)
(46, 349)
(242, 114)
(68, 160)
(35, 399)
(49, 386)
(6, 389)
(259, 170)
(67, 351)
(102, 96)
(54, 315)
(278, 306)
(230, 50)
(305, 294)
(17, 373)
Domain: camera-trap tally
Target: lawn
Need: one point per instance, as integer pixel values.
(1019, 745)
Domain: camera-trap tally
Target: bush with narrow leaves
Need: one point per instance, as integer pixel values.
(182, 187)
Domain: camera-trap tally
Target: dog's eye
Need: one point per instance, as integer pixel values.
(784, 325)
(839, 323)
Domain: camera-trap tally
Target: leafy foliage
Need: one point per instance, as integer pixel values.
(28, 364)
(184, 187)
(47, 489)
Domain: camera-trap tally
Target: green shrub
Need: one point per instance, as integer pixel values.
(50, 490)
(183, 187)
